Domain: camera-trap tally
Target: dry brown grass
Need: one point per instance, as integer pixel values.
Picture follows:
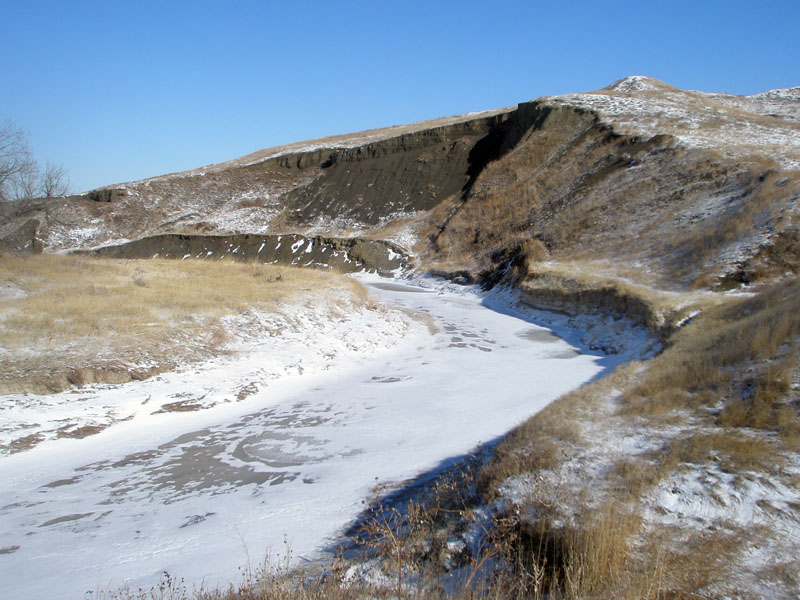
(728, 369)
(542, 442)
(723, 380)
(695, 563)
(590, 558)
(733, 451)
(72, 318)
(583, 192)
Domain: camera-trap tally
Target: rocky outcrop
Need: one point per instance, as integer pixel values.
(343, 255)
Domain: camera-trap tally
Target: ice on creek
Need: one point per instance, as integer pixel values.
(277, 463)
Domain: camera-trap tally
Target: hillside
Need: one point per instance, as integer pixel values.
(686, 186)
(672, 210)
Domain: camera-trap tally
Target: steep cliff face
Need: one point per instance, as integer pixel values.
(614, 178)
(346, 184)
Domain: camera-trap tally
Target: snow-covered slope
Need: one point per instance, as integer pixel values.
(765, 124)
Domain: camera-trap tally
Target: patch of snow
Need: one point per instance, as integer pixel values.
(636, 83)
(732, 125)
(685, 320)
(392, 255)
(11, 291)
(706, 495)
(406, 237)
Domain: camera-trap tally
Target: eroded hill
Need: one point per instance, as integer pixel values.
(684, 188)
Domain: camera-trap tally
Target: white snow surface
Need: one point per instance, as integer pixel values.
(766, 124)
(308, 341)
(201, 494)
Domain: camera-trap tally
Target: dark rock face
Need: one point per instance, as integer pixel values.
(343, 255)
(105, 195)
(329, 189)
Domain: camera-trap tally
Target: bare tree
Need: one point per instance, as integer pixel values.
(25, 183)
(15, 159)
(20, 175)
(54, 181)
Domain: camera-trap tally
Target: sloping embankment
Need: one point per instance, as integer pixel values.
(605, 297)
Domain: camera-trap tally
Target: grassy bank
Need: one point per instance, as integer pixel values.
(68, 320)
(710, 425)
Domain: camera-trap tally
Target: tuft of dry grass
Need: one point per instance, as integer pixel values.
(732, 450)
(72, 319)
(743, 350)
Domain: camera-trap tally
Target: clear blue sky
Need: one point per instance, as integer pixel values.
(117, 91)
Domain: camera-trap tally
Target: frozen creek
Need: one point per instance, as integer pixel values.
(203, 494)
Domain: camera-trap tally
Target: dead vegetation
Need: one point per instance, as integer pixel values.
(70, 320)
(720, 400)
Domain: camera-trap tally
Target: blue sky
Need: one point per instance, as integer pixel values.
(122, 91)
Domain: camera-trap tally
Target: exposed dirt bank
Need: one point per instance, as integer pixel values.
(60, 381)
(340, 254)
(333, 185)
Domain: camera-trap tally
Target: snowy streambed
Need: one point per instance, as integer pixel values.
(202, 494)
